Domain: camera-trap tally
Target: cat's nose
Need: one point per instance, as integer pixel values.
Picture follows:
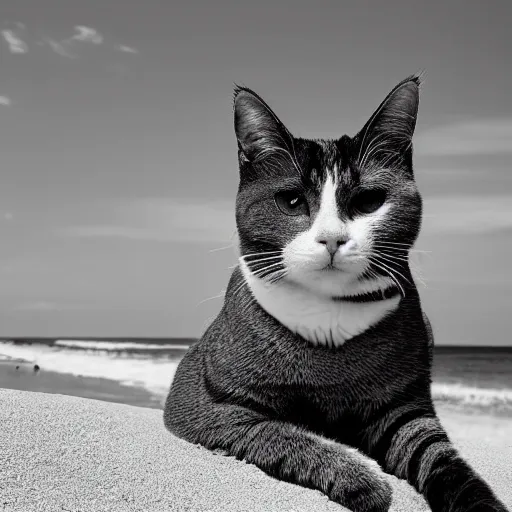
(332, 243)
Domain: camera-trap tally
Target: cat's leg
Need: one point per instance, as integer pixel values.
(287, 453)
(412, 444)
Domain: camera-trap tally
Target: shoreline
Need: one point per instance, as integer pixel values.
(20, 375)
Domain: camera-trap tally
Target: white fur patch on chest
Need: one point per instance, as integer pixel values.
(320, 320)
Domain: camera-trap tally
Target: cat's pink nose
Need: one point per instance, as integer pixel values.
(332, 243)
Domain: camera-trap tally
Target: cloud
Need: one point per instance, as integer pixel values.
(87, 35)
(63, 47)
(484, 137)
(16, 45)
(164, 220)
(4, 100)
(127, 49)
(82, 35)
(60, 48)
(467, 215)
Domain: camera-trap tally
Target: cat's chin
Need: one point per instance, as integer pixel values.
(333, 269)
(324, 281)
(334, 282)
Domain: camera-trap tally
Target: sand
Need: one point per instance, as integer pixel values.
(62, 453)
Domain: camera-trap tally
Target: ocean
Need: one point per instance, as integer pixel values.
(468, 379)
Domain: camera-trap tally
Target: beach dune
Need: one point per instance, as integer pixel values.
(61, 453)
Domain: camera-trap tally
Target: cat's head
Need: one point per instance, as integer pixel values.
(327, 215)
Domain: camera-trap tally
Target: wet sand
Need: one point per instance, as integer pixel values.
(17, 374)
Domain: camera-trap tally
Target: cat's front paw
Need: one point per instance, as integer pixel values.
(354, 481)
(365, 491)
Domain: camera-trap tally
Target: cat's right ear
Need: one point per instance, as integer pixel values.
(387, 136)
(258, 130)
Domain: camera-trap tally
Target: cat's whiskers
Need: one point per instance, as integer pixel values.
(277, 276)
(380, 257)
(227, 246)
(373, 273)
(222, 248)
(269, 277)
(385, 254)
(386, 242)
(387, 271)
(404, 245)
(393, 269)
(260, 253)
(398, 248)
(260, 260)
(257, 260)
(419, 277)
(221, 295)
(259, 272)
(390, 257)
(273, 261)
(394, 259)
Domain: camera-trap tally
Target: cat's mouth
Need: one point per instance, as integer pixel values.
(330, 267)
(375, 296)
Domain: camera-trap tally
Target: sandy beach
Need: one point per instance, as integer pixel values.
(66, 453)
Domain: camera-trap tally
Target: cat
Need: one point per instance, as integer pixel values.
(318, 367)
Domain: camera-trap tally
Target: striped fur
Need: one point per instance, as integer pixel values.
(289, 376)
(412, 444)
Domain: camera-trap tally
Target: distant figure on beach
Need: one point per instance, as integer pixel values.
(36, 368)
(320, 359)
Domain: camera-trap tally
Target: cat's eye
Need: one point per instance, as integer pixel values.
(291, 202)
(368, 201)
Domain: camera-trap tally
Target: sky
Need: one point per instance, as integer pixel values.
(118, 169)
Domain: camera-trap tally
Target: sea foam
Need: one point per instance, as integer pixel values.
(155, 374)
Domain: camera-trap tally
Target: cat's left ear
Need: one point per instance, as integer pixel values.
(258, 130)
(386, 139)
